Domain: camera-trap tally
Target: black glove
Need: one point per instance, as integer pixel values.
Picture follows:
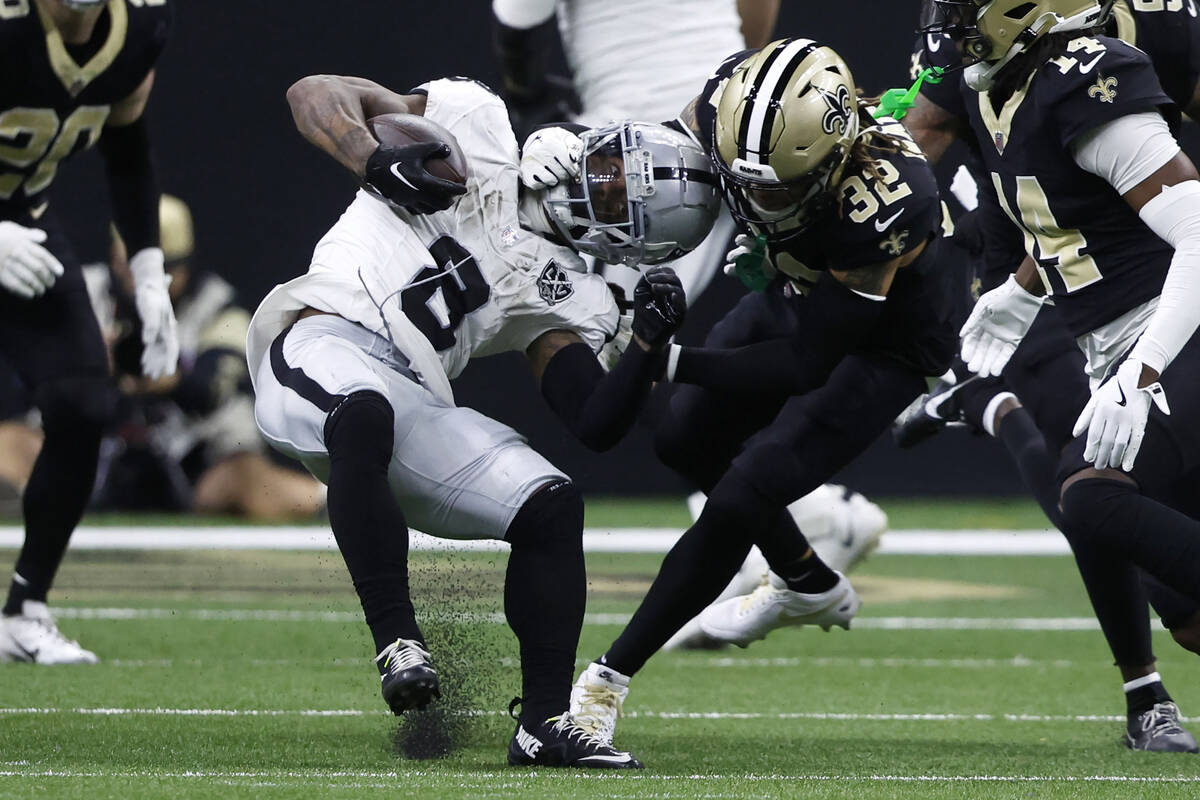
(398, 174)
(659, 306)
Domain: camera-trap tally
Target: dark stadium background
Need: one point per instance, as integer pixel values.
(262, 197)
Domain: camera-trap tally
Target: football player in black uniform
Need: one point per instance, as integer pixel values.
(1047, 370)
(852, 315)
(1077, 133)
(73, 73)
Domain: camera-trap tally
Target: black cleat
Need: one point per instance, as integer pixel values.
(929, 413)
(562, 742)
(1158, 731)
(409, 680)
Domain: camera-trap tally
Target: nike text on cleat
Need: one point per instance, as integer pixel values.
(596, 701)
(409, 680)
(742, 620)
(562, 742)
(1157, 730)
(33, 637)
(930, 413)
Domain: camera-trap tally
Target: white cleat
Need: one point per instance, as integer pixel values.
(691, 636)
(32, 636)
(742, 620)
(843, 527)
(596, 701)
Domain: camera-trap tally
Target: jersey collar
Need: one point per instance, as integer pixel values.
(74, 77)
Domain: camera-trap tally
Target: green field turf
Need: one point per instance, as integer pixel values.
(247, 674)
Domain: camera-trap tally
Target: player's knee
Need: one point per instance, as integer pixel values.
(361, 428)
(680, 447)
(552, 518)
(78, 406)
(1187, 633)
(736, 504)
(1096, 507)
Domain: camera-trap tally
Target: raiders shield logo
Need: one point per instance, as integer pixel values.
(554, 285)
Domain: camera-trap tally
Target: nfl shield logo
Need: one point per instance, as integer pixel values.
(554, 285)
(999, 142)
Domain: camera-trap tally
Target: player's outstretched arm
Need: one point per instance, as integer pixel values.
(840, 313)
(758, 21)
(599, 408)
(933, 128)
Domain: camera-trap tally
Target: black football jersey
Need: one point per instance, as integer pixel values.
(1095, 254)
(880, 214)
(55, 98)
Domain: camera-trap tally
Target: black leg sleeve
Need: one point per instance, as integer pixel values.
(1155, 537)
(75, 412)
(1037, 466)
(545, 593)
(694, 572)
(368, 525)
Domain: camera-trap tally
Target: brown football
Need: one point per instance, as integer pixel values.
(402, 129)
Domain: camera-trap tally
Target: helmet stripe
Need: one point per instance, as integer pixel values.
(772, 82)
(687, 174)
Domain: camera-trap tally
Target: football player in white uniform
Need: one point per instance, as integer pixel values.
(670, 49)
(353, 361)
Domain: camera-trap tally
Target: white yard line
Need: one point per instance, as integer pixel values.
(558, 776)
(816, 716)
(1051, 624)
(595, 540)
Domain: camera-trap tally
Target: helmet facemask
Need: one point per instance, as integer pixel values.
(641, 197)
(991, 33)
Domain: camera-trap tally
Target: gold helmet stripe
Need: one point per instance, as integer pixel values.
(772, 81)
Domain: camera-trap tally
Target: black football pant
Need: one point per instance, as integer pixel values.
(53, 344)
(754, 459)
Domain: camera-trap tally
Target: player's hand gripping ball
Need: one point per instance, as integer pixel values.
(418, 165)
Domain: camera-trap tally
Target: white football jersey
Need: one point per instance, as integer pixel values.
(645, 59)
(470, 280)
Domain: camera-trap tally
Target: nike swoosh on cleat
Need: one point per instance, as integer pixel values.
(622, 759)
(29, 654)
(883, 225)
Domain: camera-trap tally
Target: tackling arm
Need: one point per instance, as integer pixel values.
(933, 128)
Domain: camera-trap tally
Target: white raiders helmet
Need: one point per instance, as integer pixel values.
(646, 194)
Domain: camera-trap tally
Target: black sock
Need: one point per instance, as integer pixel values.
(545, 594)
(694, 572)
(1025, 443)
(53, 503)
(367, 523)
(1143, 698)
(809, 574)
(976, 396)
(1151, 535)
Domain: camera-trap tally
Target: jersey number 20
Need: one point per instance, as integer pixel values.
(30, 135)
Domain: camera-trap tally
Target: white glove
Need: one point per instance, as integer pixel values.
(160, 341)
(996, 326)
(743, 243)
(1115, 417)
(549, 157)
(26, 268)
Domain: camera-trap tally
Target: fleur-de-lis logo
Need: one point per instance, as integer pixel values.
(1104, 89)
(894, 244)
(837, 117)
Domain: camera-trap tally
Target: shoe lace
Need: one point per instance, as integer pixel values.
(569, 726)
(402, 654)
(761, 595)
(601, 698)
(1162, 720)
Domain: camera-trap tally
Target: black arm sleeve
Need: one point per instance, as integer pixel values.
(132, 183)
(835, 321)
(599, 408)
